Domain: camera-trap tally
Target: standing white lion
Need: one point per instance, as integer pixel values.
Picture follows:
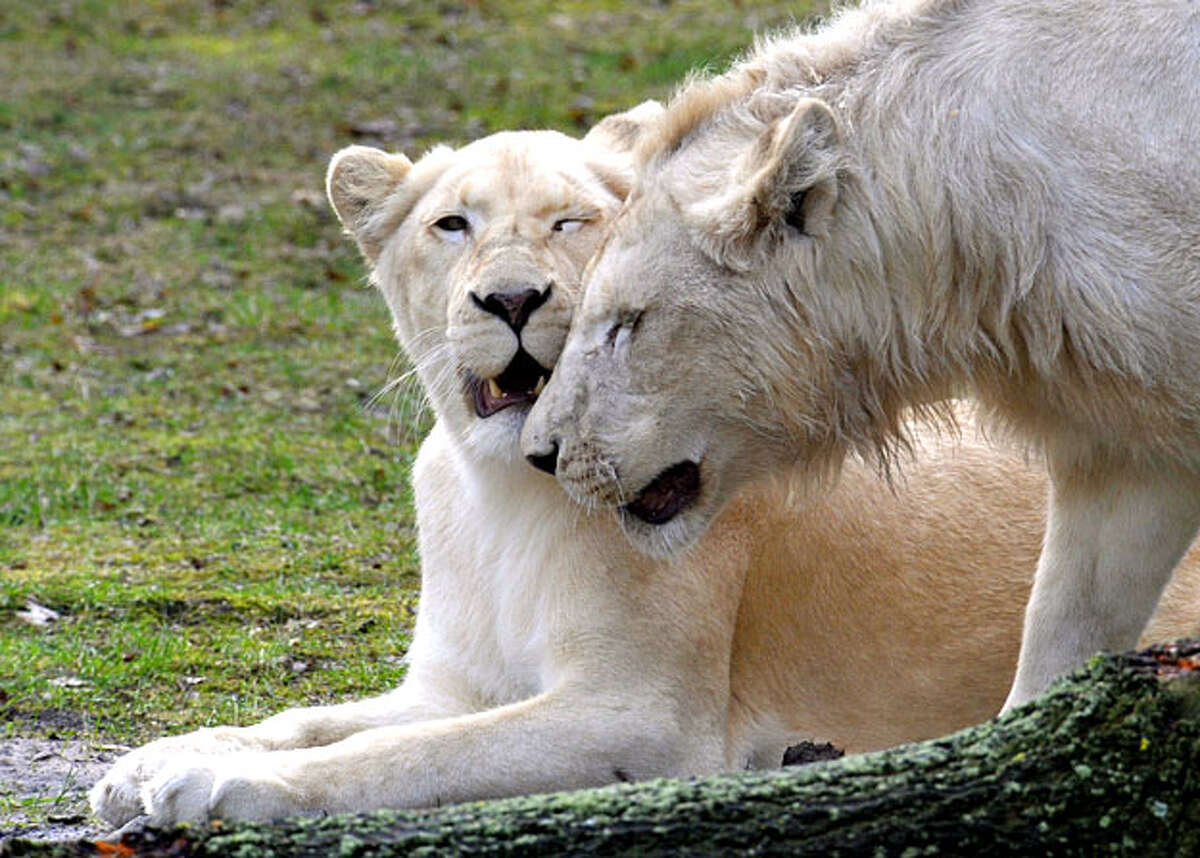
(924, 198)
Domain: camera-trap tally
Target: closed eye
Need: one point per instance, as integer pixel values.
(569, 224)
(619, 334)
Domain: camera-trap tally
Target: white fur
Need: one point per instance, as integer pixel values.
(548, 653)
(999, 198)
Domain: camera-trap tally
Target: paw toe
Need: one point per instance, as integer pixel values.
(183, 796)
(115, 800)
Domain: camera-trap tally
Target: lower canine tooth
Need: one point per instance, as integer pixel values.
(540, 386)
(494, 389)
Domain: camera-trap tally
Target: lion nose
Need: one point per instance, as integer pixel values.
(547, 462)
(514, 307)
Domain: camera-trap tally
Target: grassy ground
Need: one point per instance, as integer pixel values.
(194, 474)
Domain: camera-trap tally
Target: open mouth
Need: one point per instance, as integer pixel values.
(668, 494)
(521, 382)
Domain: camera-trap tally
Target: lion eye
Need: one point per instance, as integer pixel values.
(452, 223)
(568, 224)
(619, 334)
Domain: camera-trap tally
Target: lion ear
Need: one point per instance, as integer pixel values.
(359, 182)
(621, 132)
(787, 175)
(797, 178)
(613, 140)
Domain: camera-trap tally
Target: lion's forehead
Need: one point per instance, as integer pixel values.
(527, 192)
(519, 182)
(647, 239)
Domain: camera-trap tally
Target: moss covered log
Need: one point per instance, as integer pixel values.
(1106, 763)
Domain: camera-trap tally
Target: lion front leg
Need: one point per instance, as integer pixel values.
(119, 796)
(1113, 538)
(555, 741)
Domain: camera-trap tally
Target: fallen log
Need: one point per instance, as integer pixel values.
(1106, 763)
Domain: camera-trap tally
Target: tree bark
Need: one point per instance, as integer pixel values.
(1106, 763)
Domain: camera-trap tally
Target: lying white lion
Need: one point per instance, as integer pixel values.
(926, 198)
(548, 654)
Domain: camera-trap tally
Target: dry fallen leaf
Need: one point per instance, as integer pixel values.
(69, 682)
(37, 615)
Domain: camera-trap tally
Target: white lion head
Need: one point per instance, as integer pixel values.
(688, 363)
(479, 252)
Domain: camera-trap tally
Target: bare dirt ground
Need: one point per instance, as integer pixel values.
(44, 784)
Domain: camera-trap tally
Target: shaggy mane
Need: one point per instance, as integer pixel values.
(696, 101)
(802, 57)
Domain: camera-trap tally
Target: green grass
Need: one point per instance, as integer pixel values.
(191, 470)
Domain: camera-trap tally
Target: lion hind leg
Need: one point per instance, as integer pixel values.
(1113, 538)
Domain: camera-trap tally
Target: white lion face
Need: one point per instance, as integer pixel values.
(483, 278)
(479, 253)
(691, 339)
(651, 394)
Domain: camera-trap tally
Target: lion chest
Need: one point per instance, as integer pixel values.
(497, 590)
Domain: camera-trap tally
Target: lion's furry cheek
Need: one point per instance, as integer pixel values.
(413, 283)
(480, 347)
(544, 337)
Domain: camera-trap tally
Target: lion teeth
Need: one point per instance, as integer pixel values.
(494, 389)
(540, 386)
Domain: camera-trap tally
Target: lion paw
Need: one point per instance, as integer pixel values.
(117, 798)
(237, 787)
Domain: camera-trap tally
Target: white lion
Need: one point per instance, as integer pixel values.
(924, 199)
(548, 653)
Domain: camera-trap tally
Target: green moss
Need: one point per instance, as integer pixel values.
(1021, 785)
